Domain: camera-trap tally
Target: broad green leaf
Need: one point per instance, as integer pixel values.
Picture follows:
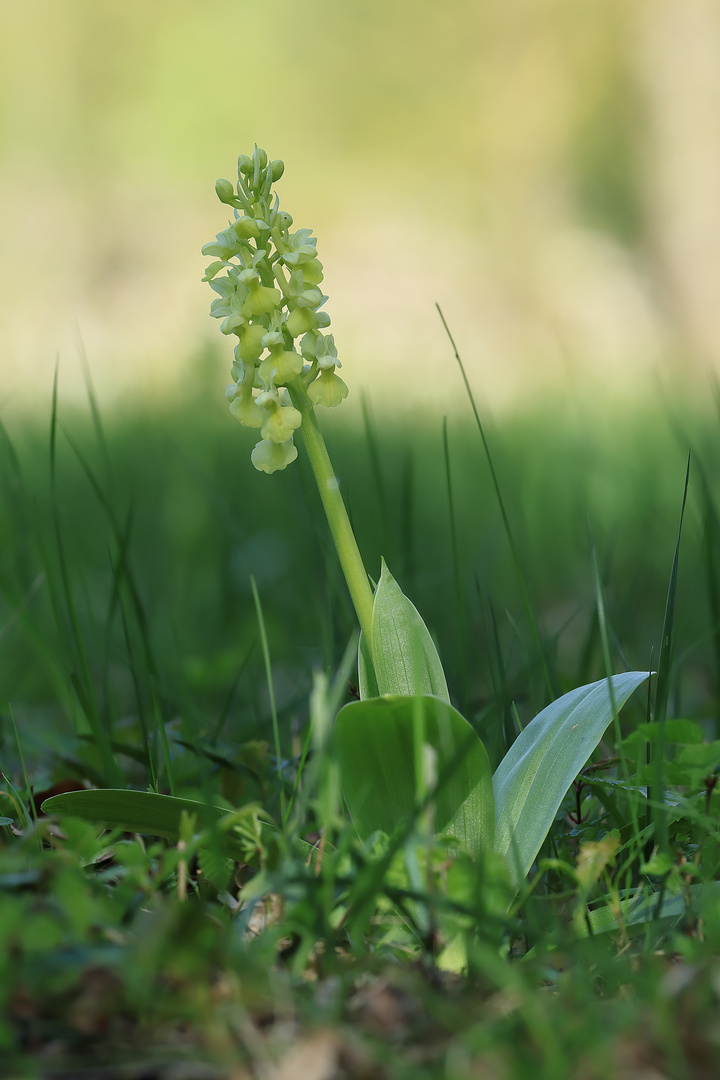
(404, 656)
(379, 744)
(535, 774)
(647, 907)
(157, 815)
(367, 683)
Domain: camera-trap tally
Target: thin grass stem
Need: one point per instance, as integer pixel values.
(505, 519)
(271, 691)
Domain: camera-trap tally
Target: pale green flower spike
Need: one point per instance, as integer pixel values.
(267, 282)
(268, 296)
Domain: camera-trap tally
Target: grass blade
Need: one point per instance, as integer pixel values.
(505, 520)
(662, 691)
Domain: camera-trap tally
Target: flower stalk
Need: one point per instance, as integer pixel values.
(266, 278)
(338, 520)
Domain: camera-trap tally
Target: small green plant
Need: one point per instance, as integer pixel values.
(402, 744)
(267, 280)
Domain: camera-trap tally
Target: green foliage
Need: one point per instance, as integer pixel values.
(403, 658)
(395, 753)
(532, 779)
(239, 834)
(105, 960)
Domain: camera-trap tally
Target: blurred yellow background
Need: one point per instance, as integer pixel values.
(547, 170)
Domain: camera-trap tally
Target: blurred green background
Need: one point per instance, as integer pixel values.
(548, 171)
(545, 169)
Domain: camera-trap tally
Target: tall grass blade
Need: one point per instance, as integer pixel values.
(607, 660)
(376, 470)
(656, 795)
(711, 546)
(81, 678)
(408, 532)
(122, 571)
(504, 692)
(26, 778)
(271, 691)
(530, 614)
(459, 608)
(93, 403)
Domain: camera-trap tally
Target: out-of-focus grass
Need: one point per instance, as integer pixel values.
(106, 963)
(192, 520)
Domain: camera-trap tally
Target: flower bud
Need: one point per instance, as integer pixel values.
(224, 191)
(244, 227)
(310, 298)
(245, 165)
(277, 168)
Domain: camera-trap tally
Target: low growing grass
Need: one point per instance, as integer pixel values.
(132, 657)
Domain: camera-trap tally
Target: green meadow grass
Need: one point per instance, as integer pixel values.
(132, 655)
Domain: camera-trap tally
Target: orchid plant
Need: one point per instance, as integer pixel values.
(268, 283)
(402, 744)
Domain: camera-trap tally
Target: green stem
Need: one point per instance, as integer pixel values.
(340, 527)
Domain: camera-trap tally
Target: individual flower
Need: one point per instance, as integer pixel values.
(229, 305)
(312, 272)
(296, 248)
(250, 346)
(245, 409)
(328, 390)
(261, 299)
(281, 365)
(270, 457)
(300, 321)
(243, 405)
(281, 420)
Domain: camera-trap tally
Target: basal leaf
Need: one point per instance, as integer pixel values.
(157, 815)
(404, 656)
(376, 743)
(535, 774)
